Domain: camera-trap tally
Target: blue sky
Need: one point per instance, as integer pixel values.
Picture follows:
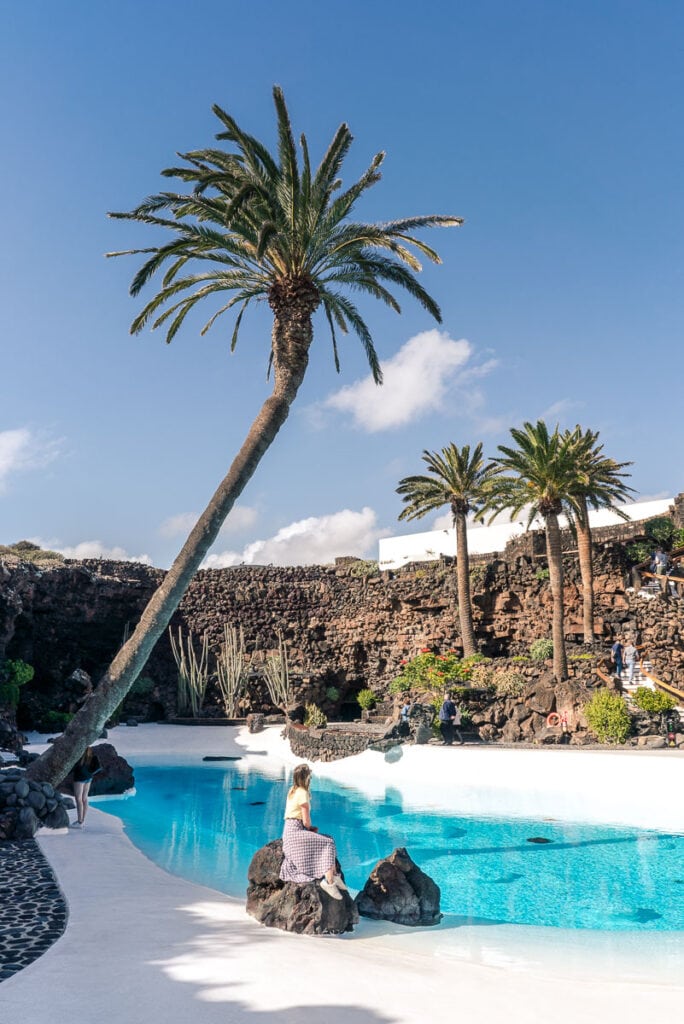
(554, 128)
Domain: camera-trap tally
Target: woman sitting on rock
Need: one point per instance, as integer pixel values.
(308, 855)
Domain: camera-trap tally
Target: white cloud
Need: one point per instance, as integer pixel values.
(22, 449)
(427, 370)
(559, 410)
(317, 540)
(91, 549)
(443, 522)
(240, 518)
(656, 496)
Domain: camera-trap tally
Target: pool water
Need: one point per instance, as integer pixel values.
(205, 823)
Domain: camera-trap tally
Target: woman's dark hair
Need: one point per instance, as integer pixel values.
(86, 758)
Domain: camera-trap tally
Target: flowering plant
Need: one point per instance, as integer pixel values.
(429, 671)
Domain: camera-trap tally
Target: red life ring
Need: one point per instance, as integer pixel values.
(553, 720)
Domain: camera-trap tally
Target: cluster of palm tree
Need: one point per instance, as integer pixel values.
(543, 474)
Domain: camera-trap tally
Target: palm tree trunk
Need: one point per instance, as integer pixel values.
(554, 555)
(465, 610)
(291, 340)
(587, 571)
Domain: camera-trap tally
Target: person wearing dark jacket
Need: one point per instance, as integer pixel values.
(449, 719)
(84, 770)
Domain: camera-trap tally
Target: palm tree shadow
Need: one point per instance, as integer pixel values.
(201, 960)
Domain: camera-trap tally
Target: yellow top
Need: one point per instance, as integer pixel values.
(295, 799)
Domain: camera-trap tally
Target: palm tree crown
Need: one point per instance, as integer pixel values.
(271, 228)
(599, 480)
(459, 479)
(539, 476)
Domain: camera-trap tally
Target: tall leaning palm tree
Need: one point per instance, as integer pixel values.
(538, 476)
(460, 479)
(253, 226)
(599, 483)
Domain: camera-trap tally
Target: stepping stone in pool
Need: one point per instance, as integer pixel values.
(539, 839)
(211, 757)
(257, 803)
(397, 890)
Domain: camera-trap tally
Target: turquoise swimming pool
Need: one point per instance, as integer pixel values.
(205, 823)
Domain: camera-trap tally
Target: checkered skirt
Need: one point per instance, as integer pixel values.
(307, 855)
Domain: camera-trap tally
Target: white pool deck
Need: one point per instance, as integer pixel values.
(144, 946)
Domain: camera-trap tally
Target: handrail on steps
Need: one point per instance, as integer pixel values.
(658, 683)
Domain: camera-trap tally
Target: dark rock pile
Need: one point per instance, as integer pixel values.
(302, 908)
(25, 805)
(397, 890)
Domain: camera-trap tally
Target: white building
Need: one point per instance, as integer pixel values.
(427, 547)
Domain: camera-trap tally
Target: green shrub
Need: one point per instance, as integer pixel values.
(541, 650)
(475, 659)
(429, 672)
(13, 675)
(678, 538)
(520, 659)
(315, 717)
(399, 685)
(29, 552)
(332, 694)
(608, 717)
(653, 700)
(580, 657)
(660, 530)
(54, 721)
(363, 567)
(482, 677)
(638, 551)
(478, 576)
(542, 574)
(509, 683)
(366, 699)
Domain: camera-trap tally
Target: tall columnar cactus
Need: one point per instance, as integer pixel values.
(193, 671)
(277, 677)
(231, 669)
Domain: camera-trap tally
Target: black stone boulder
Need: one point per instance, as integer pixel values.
(397, 890)
(301, 908)
(116, 775)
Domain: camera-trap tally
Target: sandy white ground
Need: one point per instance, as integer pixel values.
(143, 946)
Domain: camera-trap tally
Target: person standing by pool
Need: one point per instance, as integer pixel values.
(449, 719)
(84, 771)
(309, 855)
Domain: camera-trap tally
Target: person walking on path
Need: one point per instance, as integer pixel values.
(616, 657)
(661, 562)
(309, 855)
(449, 719)
(84, 771)
(631, 656)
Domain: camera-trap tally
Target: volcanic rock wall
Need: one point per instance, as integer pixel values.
(342, 630)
